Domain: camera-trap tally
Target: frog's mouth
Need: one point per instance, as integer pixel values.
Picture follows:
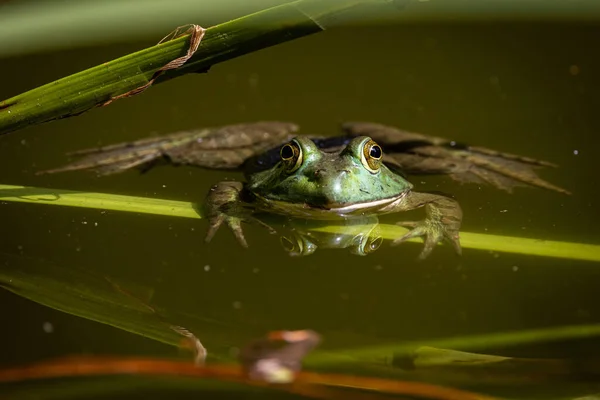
(349, 208)
(331, 209)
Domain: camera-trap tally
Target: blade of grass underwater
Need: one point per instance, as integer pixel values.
(464, 343)
(85, 90)
(173, 208)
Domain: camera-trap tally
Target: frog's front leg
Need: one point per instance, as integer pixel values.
(442, 222)
(224, 203)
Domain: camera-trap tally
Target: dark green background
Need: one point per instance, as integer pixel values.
(506, 86)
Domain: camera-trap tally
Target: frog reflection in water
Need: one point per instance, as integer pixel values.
(327, 178)
(360, 236)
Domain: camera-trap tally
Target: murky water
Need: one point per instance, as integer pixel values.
(526, 89)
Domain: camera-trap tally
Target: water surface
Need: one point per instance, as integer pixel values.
(530, 89)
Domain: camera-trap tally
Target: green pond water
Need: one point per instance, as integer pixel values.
(531, 89)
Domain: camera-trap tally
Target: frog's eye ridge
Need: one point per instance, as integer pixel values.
(291, 156)
(371, 156)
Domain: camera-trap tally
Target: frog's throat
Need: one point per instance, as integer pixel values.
(331, 211)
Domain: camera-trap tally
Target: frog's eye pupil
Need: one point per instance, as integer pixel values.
(376, 152)
(371, 156)
(287, 152)
(291, 156)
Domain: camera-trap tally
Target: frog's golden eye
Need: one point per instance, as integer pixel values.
(291, 156)
(371, 156)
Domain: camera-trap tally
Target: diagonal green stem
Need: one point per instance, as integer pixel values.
(85, 90)
(507, 244)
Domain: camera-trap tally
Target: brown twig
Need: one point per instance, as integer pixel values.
(196, 33)
(307, 383)
(419, 389)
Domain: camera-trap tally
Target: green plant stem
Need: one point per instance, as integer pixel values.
(104, 201)
(85, 90)
(472, 342)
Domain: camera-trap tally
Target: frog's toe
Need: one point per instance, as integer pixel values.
(454, 239)
(234, 224)
(418, 230)
(444, 234)
(214, 225)
(408, 224)
(431, 233)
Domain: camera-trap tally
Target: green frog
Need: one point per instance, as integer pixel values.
(359, 173)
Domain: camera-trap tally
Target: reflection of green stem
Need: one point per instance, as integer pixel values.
(535, 247)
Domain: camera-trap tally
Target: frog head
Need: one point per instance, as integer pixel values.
(307, 175)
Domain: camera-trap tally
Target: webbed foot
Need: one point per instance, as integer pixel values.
(442, 223)
(225, 147)
(224, 204)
